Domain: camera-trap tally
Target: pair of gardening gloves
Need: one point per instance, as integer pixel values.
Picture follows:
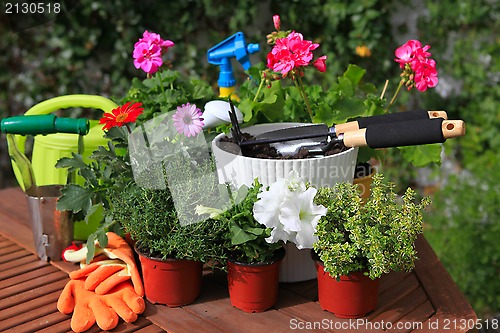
(108, 288)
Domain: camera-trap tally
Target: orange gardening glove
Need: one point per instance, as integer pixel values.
(103, 275)
(88, 307)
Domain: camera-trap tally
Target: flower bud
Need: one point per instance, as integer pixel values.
(277, 22)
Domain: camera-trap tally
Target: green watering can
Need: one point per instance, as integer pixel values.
(52, 229)
(59, 141)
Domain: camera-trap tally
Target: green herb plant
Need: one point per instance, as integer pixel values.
(151, 219)
(375, 237)
(245, 237)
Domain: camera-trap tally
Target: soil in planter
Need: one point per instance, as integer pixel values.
(267, 151)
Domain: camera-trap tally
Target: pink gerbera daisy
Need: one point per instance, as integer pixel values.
(188, 120)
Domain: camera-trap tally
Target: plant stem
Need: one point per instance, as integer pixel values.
(394, 97)
(161, 87)
(259, 89)
(300, 86)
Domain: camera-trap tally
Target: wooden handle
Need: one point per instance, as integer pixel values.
(453, 128)
(355, 138)
(347, 127)
(438, 114)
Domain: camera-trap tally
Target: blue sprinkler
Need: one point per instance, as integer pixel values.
(221, 54)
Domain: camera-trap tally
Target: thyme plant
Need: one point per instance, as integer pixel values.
(376, 237)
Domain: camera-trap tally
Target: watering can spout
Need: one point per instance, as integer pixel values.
(221, 54)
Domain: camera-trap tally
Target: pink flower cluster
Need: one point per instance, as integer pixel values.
(148, 52)
(293, 52)
(419, 69)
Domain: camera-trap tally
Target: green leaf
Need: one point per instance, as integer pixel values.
(354, 73)
(75, 198)
(422, 155)
(90, 248)
(102, 238)
(238, 235)
(346, 87)
(73, 163)
(95, 214)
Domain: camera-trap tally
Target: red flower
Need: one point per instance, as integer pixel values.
(320, 64)
(126, 113)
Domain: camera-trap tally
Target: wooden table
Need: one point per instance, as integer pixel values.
(425, 300)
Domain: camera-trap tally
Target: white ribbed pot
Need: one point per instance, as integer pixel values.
(319, 171)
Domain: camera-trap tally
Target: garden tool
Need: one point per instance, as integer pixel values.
(88, 307)
(48, 149)
(102, 275)
(381, 135)
(52, 229)
(221, 55)
(321, 131)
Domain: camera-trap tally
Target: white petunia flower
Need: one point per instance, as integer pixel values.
(300, 216)
(288, 208)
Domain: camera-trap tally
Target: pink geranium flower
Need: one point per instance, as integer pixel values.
(155, 38)
(425, 74)
(188, 120)
(320, 64)
(290, 52)
(410, 51)
(148, 51)
(147, 56)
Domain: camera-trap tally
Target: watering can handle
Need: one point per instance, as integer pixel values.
(72, 101)
(55, 104)
(65, 102)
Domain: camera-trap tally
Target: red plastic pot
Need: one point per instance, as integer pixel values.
(254, 287)
(354, 296)
(171, 282)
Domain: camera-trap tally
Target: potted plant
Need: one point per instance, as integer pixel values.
(171, 255)
(356, 243)
(253, 263)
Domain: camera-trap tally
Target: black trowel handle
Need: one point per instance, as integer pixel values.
(405, 133)
(389, 118)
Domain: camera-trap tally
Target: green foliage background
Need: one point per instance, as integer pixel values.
(87, 49)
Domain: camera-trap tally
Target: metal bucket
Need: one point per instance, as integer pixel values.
(52, 229)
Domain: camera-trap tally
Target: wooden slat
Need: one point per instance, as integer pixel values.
(6, 258)
(33, 293)
(415, 319)
(32, 264)
(39, 322)
(179, 320)
(26, 276)
(214, 305)
(60, 327)
(10, 249)
(19, 309)
(402, 307)
(28, 315)
(4, 242)
(387, 299)
(32, 284)
(443, 293)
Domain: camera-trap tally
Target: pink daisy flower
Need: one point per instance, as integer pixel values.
(188, 120)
